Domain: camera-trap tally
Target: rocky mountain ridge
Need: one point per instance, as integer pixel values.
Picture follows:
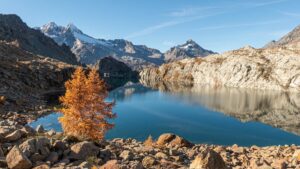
(88, 49)
(291, 39)
(13, 29)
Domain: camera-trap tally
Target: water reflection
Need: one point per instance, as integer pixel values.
(275, 108)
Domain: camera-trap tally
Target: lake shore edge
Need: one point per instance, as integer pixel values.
(25, 147)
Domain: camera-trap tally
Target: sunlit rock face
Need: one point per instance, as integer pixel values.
(275, 68)
(275, 108)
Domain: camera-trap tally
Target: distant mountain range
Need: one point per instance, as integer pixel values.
(89, 50)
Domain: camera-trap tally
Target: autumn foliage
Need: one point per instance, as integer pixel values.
(85, 112)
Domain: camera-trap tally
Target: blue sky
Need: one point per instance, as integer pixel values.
(218, 25)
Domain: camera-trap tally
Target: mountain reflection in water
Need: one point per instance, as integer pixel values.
(276, 108)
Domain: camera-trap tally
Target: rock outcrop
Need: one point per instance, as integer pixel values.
(115, 72)
(275, 68)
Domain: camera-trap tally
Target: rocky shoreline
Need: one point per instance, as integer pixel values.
(23, 147)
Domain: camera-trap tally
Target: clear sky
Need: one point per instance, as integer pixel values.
(218, 25)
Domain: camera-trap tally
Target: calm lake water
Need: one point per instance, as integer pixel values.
(223, 116)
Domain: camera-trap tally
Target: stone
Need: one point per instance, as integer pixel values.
(3, 163)
(40, 129)
(165, 139)
(42, 166)
(126, 155)
(112, 164)
(5, 130)
(85, 165)
(83, 150)
(136, 165)
(296, 155)
(161, 155)
(173, 140)
(208, 159)
(14, 136)
(27, 130)
(59, 145)
(37, 149)
(148, 161)
(51, 132)
(53, 157)
(17, 160)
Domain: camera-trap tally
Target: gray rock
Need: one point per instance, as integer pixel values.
(126, 155)
(83, 150)
(17, 160)
(14, 136)
(53, 157)
(208, 159)
(40, 129)
(148, 161)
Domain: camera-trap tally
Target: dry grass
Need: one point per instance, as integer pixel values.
(199, 60)
(219, 61)
(149, 142)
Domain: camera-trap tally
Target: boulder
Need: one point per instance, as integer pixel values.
(148, 161)
(43, 166)
(208, 159)
(27, 130)
(14, 136)
(172, 140)
(51, 132)
(53, 157)
(17, 160)
(126, 155)
(112, 164)
(35, 149)
(40, 129)
(83, 150)
(161, 155)
(59, 145)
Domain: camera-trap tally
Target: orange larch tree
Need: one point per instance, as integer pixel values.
(85, 112)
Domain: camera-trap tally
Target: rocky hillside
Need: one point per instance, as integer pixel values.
(275, 68)
(26, 77)
(89, 50)
(291, 39)
(13, 29)
(114, 72)
(190, 49)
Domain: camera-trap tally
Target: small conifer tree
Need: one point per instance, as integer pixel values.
(85, 112)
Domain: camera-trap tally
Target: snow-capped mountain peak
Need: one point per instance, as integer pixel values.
(189, 49)
(73, 28)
